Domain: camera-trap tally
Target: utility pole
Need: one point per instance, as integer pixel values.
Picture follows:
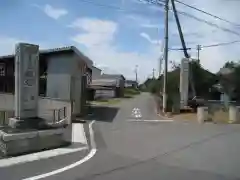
(165, 57)
(198, 52)
(160, 66)
(153, 73)
(161, 55)
(136, 73)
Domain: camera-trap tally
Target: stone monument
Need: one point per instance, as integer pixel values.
(26, 85)
(184, 82)
(26, 131)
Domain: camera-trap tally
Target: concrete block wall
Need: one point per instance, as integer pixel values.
(46, 106)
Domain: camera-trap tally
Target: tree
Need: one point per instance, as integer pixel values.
(229, 79)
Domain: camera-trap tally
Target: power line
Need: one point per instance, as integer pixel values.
(220, 44)
(157, 3)
(209, 23)
(110, 6)
(208, 46)
(207, 13)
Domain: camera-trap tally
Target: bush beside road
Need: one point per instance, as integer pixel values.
(130, 92)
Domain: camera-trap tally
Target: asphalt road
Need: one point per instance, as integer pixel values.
(147, 150)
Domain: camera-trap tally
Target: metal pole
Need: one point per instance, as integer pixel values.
(153, 73)
(165, 58)
(161, 56)
(136, 73)
(179, 30)
(198, 52)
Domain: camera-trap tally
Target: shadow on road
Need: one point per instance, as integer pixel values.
(102, 113)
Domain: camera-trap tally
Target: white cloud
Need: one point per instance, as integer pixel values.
(150, 26)
(112, 60)
(98, 36)
(144, 21)
(95, 25)
(54, 12)
(97, 32)
(152, 41)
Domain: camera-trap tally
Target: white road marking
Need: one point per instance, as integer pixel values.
(136, 113)
(154, 120)
(40, 155)
(79, 144)
(86, 158)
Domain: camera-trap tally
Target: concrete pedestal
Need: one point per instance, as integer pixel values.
(234, 115)
(202, 114)
(14, 142)
(27, 123)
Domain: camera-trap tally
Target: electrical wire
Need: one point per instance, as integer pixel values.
(157, 2)
(111, 6)
(208, 46)
(220, 44)
(207, 13)
(209, 23)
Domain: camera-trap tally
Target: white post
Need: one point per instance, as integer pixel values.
(234, 114)
(202, 114)
(184, 82)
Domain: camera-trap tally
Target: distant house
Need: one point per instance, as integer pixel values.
(96, 72)
(62, 71)
(108, 86)
(131, 83)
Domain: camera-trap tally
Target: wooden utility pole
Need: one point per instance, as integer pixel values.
(165, 57)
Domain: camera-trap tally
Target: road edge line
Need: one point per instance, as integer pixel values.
(86, 158)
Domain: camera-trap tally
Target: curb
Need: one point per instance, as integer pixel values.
(41, 155)
(90, 154)
(163, 115)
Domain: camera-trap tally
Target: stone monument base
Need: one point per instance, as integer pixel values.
(16, 142)
(28, 123)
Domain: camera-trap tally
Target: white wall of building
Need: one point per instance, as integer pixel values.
(60, 68)
(65, 79)
(96, 73)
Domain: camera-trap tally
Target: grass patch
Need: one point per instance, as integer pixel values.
(219, 116)
(106, 101)
(186, 116)
(130, 92)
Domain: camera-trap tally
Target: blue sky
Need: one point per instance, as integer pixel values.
(116, 40)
